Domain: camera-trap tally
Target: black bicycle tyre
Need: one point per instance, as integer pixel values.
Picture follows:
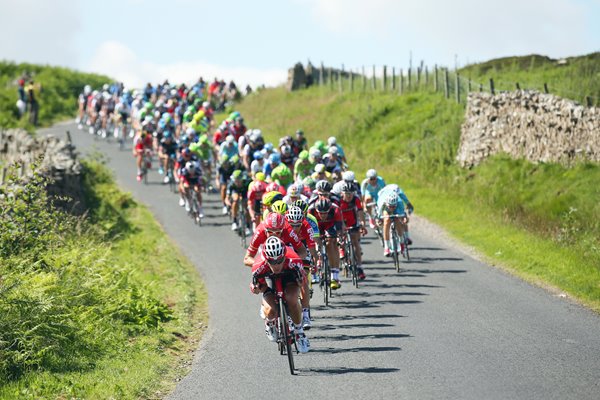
(326, 279)
(406, 251)
(353, 267)
(395, 244)
(242, 224)
(286, 335)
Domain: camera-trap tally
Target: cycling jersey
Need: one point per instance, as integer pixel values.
(393, 188)
(189, 179)
(332, 164)
(331, 223)
(372, 190)
(240, 187)
(306, 234)
(337, 187)
(283, 175)
(292, 263)
(314, 224)
(256, 189)
(288, 236)
(168, 147)
(350, 211)
(303, 168)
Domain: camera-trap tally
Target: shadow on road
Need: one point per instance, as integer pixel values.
(343, 337)
(331, 350)
(345, 370)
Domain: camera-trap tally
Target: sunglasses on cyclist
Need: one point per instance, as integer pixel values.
(278, 261)
(275, 232)
(296, 224)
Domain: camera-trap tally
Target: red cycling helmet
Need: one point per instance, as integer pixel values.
(274, 222)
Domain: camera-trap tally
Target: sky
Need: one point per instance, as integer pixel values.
(256, 42)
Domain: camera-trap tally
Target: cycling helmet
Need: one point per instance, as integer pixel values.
(279, 206)
(237, 174)
(167, 134)
(333, 150)
(274, 249)
(268, 147)
(260, 176)
(293, 191)
(205, 104)
(371, 173)
(184, 140)
(319, 168)
(190, 131)
(331, 141)
(87, 89)
(323, 205)
(348, 176)
(190, 166)
(224, 158)
(391, 199)
(294, 215)
(229, 139)
(194, 147)
(314, 153)
(105, 86)
(286, 149)
(274, 221)
(300, 132)
(166, 116)
(347, 188)
(310, 182)
(185, 152)
(203, 139)
(258, 155)
(301, 204)
(275, 158)
(303, 155)
(319, 144)
(323, 186)
(270, 197)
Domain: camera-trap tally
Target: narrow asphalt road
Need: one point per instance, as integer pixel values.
(447, 327)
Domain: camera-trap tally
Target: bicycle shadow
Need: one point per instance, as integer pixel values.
(369, 349)
(329, 327)
(345, 370)
(342, 337)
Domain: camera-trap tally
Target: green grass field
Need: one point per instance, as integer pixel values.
(100, 307)
(540, 221)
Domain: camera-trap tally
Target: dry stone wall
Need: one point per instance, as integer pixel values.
(527, 124)
(59, 162)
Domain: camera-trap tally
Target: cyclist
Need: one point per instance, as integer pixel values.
(224, 172)
(354, 220)
(323, 189)
(347, 177)
(273, 225)
(203, 150)
(282, 175)
(237, 194)
(274, 161)
(258, 163)
(333, 163)
(256, 190)
(393, 188)
(268, 200)
(332, 142)
(142, 144)
(167, 150)
(321, 174)
(294, 193)
(229, 147)
(312, 221)
(303, 166)
(276, 257)
(391, 206)
(299, 144)
(303, 229)
(190, 185)
(329, 218)
(370, 188)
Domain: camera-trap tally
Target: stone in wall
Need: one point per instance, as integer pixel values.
(59, 162)
(528, 124)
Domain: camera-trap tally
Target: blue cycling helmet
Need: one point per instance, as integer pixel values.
(167, 134)
(268, 146)
(166, 116)
(258, 155)
(275, 158)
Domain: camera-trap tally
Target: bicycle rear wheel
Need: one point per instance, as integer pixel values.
(287, 338)
(406, 251)
(395, 247)
(326, 279)
(353, 270)
(242, 224)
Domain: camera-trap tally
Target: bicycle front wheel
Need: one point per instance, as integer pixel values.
(287, 336)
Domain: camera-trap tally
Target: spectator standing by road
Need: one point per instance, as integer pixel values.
(32, 92)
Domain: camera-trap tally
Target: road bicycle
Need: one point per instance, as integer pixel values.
(325, 272)
(146, 164)
(194, 211)
(171, 174)
(285, 336)
(398, 244)
(348, 258)
(242, 221)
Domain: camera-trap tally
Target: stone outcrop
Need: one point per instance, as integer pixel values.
(527, 124)
(59, 162)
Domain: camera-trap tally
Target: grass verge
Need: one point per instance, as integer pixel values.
(114, 289)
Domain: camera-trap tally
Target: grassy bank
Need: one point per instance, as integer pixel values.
(58, 99)
(99, 307)
(541, 221)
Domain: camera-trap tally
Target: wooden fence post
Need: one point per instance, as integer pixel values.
(374, 84)
(469, 86)
(418, 77)
(3, 177)
(322, 75)
(481, 87)
(426, 76)
(364, 76)
(409, 73)
(384, 78)
(492, 91)
(341, 75)
(435, 79)
(447, 85)
(330, 78)
(393, 79)
(351, 80)
(546, 88)
(457, 88)
(588, 101)
(518, 86)
(401, 86)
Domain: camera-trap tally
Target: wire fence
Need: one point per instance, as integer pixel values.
(424, 78)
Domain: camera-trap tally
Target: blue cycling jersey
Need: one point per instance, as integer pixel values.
(372, 189)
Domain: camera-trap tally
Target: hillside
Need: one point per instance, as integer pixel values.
(58, 100)
(541, 220)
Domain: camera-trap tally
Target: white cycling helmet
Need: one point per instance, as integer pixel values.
(273, 249)
(348, 176)
(294, 215)
(87, 89)
(331, 141)
(371, 173)
(391, 199)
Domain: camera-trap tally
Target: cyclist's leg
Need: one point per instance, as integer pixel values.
(386, 235)
(269, 307)
(291, 293)
(234, 206)
(334, 259)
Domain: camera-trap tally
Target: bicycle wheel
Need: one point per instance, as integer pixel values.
(242, 224)
(395, 247)
(326, 279)
(406, 251)
(287, 337)
(353, 270)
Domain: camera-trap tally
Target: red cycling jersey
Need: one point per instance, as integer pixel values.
(333, 219)
(350, 211)
(142, 142)
(261, 268)
(305, 234)
(256, 189)
(288, 236)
